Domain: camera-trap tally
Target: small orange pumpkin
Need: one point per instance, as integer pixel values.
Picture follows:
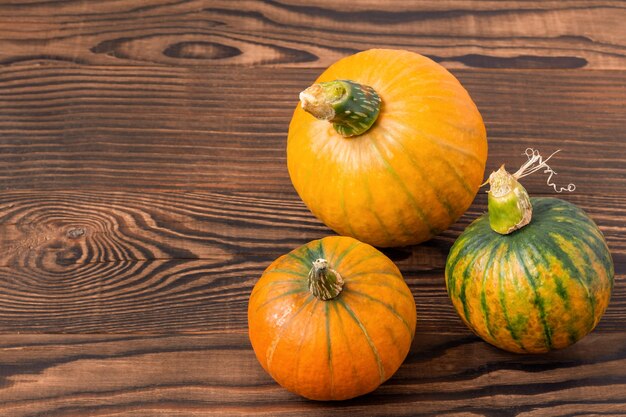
(403, 155)
(332, 319)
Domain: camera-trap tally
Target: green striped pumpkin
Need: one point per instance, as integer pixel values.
(542, 287)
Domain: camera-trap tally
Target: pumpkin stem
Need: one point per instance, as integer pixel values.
(324, 283)
(351, 107)
(508, 202)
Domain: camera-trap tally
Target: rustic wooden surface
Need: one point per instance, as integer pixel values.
(143, 189)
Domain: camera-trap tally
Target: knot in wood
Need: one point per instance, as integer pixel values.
(75, 232)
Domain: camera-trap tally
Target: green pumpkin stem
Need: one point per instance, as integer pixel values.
(324, 283)
(508, 203)
(351, 107)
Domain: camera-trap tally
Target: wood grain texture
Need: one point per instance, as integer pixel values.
(143, 190)
(68, 127)
(482, 34)
(150, 375)
(186, 262)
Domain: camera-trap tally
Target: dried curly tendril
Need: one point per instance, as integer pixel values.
(535, 163)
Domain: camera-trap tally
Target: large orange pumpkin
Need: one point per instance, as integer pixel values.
(395, 153)
(332, 319)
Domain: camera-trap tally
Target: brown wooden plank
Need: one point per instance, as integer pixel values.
(186, 262)
(150, 375)
(485, 34)
(143, 190)
(76, 127)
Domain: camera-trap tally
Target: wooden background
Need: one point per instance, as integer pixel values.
(144, 188)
